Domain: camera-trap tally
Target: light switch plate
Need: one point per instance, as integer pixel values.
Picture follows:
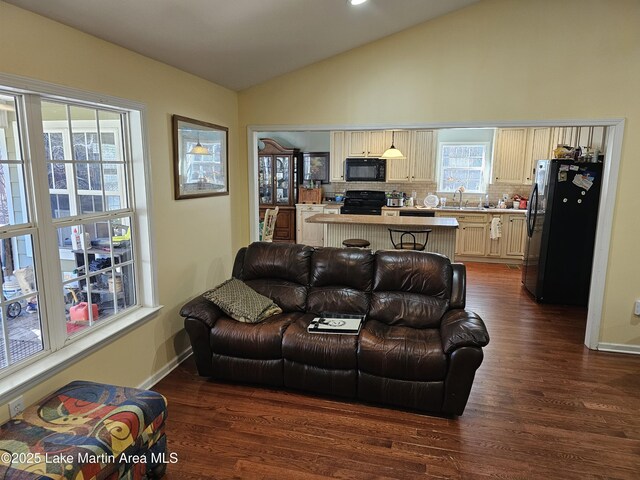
(636, 309)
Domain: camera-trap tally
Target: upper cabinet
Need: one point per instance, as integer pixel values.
(517, 150)
(419, 146)
(399, 170)
(336, 162)
(509, 155)
(423, 150)
(361, 143)
(538, 147)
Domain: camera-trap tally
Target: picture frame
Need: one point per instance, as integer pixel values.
(315, 167)
(200, 158)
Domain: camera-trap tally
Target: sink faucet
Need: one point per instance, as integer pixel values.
(459, 190)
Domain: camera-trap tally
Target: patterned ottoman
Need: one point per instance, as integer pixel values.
(87, 431)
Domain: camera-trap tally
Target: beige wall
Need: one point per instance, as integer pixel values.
(497, 60)
(195, 239)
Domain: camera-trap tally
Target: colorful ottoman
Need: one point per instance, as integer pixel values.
(87, 431)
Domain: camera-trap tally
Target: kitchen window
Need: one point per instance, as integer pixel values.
(71, 260)
(463, 164)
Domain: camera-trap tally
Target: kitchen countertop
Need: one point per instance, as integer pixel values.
(437, 222)
(463, 210)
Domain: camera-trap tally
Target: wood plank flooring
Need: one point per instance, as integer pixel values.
(543, 406)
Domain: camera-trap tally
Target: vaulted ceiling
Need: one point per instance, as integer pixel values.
(240, 43)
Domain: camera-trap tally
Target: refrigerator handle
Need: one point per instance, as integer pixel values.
(532, 207)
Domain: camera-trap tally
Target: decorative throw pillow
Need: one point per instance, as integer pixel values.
(241, 302)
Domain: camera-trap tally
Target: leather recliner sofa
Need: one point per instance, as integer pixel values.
(418, 347)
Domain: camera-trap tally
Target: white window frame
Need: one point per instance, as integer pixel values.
(485, 169)
(61, 351)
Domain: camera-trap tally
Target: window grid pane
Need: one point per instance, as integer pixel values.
(462, 165)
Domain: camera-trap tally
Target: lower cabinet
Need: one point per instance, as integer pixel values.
(312, 233)
(284, 230)
(515, 234)
(473, 240)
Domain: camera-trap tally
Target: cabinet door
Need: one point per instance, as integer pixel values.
(284, 179)
(309, 233)
(398, 170)
(538, 148)
(336, 162)
(376, 143)
(509, 157)
(515, 230)
(265, 179)
(423, 153)
(495, 245)
(357, 143)
(473, 239)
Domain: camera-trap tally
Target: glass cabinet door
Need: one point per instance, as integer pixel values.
(265, 179)
(283, 180)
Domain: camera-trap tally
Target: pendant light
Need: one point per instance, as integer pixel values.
(198, 149)
(392, 153)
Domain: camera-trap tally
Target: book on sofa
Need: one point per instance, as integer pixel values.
(337, 323)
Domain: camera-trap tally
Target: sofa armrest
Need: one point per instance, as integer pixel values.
(202, 309)
(461, 328)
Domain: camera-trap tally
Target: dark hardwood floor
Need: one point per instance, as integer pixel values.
(543, 406)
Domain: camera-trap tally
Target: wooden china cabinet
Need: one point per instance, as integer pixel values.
(278, 172)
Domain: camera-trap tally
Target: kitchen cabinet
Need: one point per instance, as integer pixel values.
(473, 235)
(363, 143)
(473, 240)
(517, 153)
(538, 147)
(419, 148)
(337, 156)
(514, 232)
(312, 234)
(423, 151)
(309, 233)
(278, 171)
(495, 246)
(509, 155)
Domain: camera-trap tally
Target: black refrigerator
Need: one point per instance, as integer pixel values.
(562, 216)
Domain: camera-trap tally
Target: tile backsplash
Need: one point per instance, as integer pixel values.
(422, 189)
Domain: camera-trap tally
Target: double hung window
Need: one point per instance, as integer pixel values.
(68, 240)
(463, 165)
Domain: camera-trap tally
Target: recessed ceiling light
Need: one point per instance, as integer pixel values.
(357, 2)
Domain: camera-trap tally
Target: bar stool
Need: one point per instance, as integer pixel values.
(356, 242)
(411, 243)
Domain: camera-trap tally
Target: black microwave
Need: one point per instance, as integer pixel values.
(365, 170)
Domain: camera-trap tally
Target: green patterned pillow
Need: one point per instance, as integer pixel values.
(241, 302)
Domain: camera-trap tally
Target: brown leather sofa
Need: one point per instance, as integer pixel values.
(418, 348)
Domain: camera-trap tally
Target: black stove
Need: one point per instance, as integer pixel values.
(363, 202)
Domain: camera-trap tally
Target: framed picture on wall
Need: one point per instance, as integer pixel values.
(200, 158)
(315, 167)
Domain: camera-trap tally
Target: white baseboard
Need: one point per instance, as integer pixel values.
(166, 370)
(619, 348)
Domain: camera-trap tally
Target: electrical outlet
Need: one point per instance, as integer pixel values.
(16, 406)
(636, 308)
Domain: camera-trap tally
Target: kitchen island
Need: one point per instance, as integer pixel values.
(375, 229)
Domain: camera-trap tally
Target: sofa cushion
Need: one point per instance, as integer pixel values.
(280, 272)
(341, 280)
(318, 349)
(245, 340)
(410, 288)
(402, 353)
(242, 302)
